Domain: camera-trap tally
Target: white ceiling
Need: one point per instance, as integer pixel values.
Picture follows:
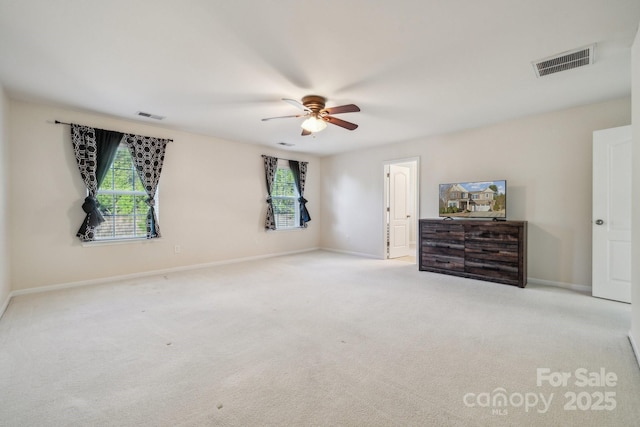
(415, 68)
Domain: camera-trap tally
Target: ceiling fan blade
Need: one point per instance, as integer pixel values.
(341, 123)
(350, 108)
(296, 104)
(283, 117)
(305, 132)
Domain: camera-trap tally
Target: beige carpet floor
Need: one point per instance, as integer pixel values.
(316, 339)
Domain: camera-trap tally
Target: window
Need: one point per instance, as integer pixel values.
(284, 196)
(122, 200)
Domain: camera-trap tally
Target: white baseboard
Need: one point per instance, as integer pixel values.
(5, 304)
(572, 286)
(360, 254)
(635, 349)
(146, 274)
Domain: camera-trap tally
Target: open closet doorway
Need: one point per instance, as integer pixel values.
(401, 208)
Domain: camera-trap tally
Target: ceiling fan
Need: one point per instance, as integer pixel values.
(317, 116)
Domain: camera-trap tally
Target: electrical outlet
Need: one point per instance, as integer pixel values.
(177, 249)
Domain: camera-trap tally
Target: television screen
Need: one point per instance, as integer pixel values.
(482, 199)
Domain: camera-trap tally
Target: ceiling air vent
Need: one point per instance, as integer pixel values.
(150, 116)
(564, 61)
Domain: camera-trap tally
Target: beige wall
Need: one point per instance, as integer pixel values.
(212, 203)
(546, 160)
(635, 208)
(4, 202)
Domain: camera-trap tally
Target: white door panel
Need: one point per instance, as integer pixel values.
(611, 225)
(399, 217)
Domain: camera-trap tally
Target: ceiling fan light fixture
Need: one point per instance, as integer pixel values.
(313, 124)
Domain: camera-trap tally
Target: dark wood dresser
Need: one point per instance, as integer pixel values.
(495, 251)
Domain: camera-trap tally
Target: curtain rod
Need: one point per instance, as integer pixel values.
(280, 158)
(58, 122)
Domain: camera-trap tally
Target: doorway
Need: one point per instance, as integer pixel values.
(401, 209)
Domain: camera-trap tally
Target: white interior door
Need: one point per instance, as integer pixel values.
(611, 225)
(399, 212)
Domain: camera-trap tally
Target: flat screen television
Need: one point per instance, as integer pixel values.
(480, 199)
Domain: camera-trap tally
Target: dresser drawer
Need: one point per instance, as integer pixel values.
(443, 246)
(506, 272)
(442, 232)
(441, 262)
(492, 251)
(499, 234)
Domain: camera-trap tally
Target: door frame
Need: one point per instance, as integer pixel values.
(414, 163)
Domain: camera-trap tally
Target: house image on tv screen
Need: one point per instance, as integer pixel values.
(486, 199)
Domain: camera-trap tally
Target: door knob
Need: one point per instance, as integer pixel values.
(599, 222)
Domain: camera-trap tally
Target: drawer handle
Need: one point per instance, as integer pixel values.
(443, 262)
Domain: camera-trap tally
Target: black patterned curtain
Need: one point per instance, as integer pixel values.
(299, 170)
(147, 154)
(270, 168)
(94, 150)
